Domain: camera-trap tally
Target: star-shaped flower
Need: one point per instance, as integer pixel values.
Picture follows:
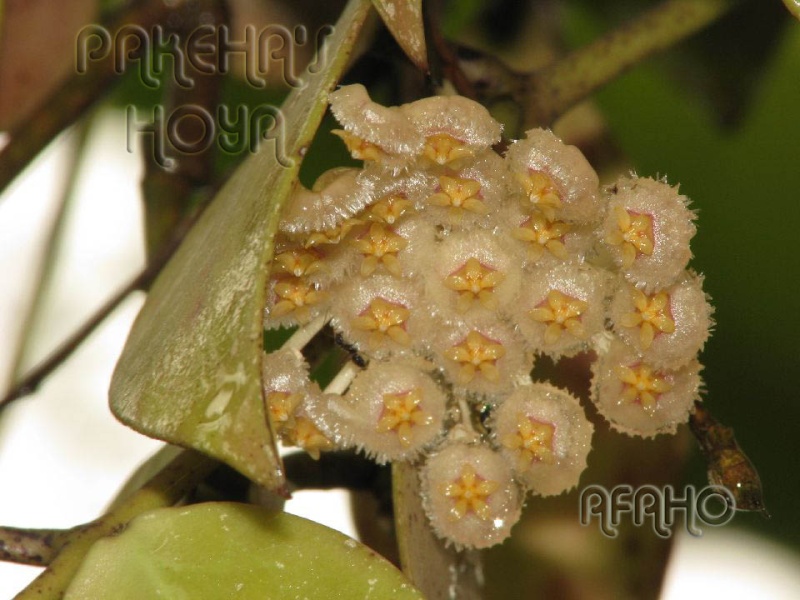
(459, 193)
(282, 406)
(474, 281)
(389, 209)
(642, 384)
(634, 234)
(541, 191)
(380, 246)
(652, 316)
(470, 493)
(543, 234)
(384, 318)
(477, 354)
(533, 441)
(331, 236)
(401, 413)
(297, 262)
(442, 148)
(360, 149)
(306, 435)
(295, 295)
(560, 312)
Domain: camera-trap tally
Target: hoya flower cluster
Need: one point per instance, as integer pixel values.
(451, 268)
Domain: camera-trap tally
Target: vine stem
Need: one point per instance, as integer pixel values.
(305, 333)
(165, 489)
(343, 378)
(35, 547)
(168, 194)
(53, 239)
(552, 90)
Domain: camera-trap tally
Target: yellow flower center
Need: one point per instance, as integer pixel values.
(359, 149)
(295, 295)
(652, 316)
(281, 408)
(297, 262)
(541, 191)
(389, 209)
(560, 312)
(401, 412)
(642, 385)
(477, 354)
(442, 149)
(543, 234)
(330, 236)
(384, 319)
(459, 193)
(469, 493)
(533, 441)
(634, 235)
(380, 246)
(306, 435)
(474, 281)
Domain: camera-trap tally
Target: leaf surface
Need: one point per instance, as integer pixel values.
(190, 371)
(403, 18)
(228, 550)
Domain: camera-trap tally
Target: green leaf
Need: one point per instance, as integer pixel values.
(439, 572)
(794, 7)
(190, 371)
(228, 550)
(403, 18)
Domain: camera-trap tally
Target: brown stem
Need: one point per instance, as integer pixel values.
(35, 547)
(556, 88)
(52, 242)
(169, 193)
(443, 62)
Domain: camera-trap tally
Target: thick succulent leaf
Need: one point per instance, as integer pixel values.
(190, 371)
(438, 571)
(228, 550)
(403, 18)
(794, 7)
